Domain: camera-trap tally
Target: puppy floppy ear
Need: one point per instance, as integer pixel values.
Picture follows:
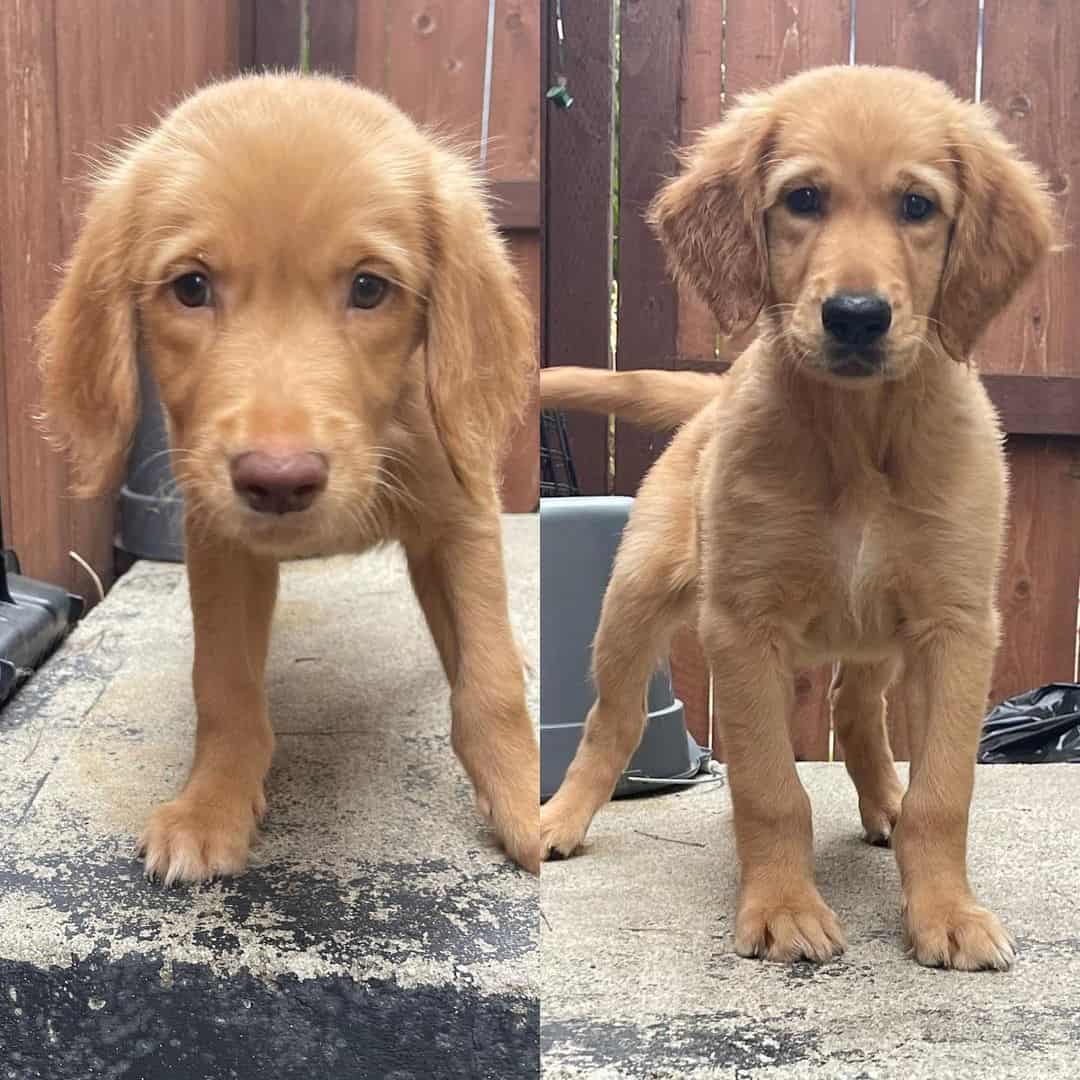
(480, 353)
(711, 218)
(86, 343)
(1004, 226)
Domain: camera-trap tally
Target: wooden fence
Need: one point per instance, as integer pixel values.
(677, 64)
(76, 76)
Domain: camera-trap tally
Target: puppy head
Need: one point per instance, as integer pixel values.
(867, 214)
(295, 258)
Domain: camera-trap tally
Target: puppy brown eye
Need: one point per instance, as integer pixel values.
(193, 290)
(915, 207)
(803, 201)
(367, 291)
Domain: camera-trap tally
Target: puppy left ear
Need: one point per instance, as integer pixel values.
(1005, 225)
(711, 217)
(86, 342)
(480, 340)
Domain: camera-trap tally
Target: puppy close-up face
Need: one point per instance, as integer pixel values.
(280, 304)
(857, 221)
(870, 218)
(294, 259)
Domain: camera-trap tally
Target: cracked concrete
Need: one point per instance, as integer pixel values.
(378, 931)
(639, 978)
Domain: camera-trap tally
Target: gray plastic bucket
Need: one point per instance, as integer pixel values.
(578, 540)
(150, 511)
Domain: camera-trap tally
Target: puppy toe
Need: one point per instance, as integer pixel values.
(185, 841)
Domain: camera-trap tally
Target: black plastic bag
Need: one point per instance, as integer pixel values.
(1036, 726)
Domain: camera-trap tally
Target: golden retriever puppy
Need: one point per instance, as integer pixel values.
(341, 345)
(838, 495)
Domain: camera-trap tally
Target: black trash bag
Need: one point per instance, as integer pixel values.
(1036, 726)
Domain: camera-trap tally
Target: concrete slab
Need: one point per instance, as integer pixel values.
(639, 977)
(378, 931)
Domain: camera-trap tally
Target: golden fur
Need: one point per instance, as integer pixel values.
(832, 517)
(280, 189)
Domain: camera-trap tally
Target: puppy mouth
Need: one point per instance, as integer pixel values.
(856, 364)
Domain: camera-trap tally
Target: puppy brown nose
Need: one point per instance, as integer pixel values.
(279, 483)
(856, 319)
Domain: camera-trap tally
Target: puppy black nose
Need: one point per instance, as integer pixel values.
(856, 319)
(279, 483)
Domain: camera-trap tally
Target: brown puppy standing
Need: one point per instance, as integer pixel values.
(341, 345)
(848, 484)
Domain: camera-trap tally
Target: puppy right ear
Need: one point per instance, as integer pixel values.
(711, 218)
(86, 343)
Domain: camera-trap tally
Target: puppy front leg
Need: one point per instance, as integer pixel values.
(461, 586)
(781, 915)
(949, 679)
(208, 829)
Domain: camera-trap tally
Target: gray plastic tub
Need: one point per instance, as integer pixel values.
(578, 540)
(150, 511)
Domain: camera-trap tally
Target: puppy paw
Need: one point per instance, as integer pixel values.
(195, 840)
(513, 815)
(788, 928)
(563, 824)
(880, 815)
(957, 934)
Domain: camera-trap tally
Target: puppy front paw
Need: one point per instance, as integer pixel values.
(787, 926)
(955, 932)
(513, 813)
(563, 824)
(192, 839)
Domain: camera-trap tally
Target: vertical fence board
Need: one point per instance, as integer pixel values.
(1041, 573)
(37, 505)
(372, 42)
(650, 46)
(430, 62)
(333, 42)
(277, 33)
(702, 97)
(1031, 56)
(577, 215)
(768, 41)
(940, 37)
(513, 153)
(521, 465)
(514, 129)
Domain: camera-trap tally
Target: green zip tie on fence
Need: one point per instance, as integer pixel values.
(560, 96)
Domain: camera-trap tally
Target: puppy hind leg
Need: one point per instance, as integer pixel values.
(641, 612)
(857, 697)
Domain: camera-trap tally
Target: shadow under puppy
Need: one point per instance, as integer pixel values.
(341, 346)
(839, 495)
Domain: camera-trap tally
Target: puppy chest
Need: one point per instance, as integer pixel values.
(857, 606)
